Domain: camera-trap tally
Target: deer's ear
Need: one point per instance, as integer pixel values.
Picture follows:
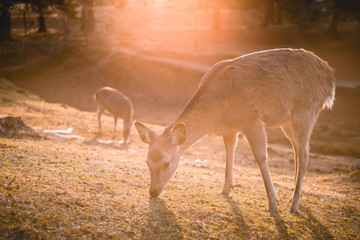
(228, 71)
(145, 134)
(178, 134)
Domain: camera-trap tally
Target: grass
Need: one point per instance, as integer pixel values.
(159, 91)
(52, 188)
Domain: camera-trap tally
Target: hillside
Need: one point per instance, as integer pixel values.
(161, 86)
(59, 188)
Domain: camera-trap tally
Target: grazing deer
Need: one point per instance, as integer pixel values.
(118, 105)
(280, 87)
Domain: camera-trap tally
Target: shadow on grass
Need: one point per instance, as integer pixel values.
(319, 231)
(107, 144)
(242, 227)
(162, 223)
(281, 227)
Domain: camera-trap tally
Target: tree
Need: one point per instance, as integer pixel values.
(214, 5)
(303, 13)
(42, 7)
(5, 20)
(218, 4)
(87, 16)
(217, 15)
(343, 10)
(273, 12)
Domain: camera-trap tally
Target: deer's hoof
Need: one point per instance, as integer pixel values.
(272, 211)
(293, 210)
(225, 192)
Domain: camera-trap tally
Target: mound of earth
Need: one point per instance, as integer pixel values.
(14, 127)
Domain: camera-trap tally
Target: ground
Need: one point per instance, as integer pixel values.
(59, 188)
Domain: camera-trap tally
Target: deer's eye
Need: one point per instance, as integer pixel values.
(166, 165)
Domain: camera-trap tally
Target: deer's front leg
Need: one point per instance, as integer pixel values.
(100, 111)
(230, 145)
(115, 123)
(256, 136)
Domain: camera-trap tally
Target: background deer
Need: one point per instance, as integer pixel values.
(118, 105)
(280, 87)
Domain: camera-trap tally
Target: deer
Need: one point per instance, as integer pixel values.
(284, 88)
(118, 105)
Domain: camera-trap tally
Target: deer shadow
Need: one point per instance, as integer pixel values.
(162, 223)
(107, 144)
(281, 226)
(319, 231)
(242, 227)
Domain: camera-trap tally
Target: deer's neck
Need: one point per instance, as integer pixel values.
(197, 125)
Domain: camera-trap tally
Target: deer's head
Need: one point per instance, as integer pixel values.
(163, 155)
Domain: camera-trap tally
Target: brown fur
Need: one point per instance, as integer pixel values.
(279, 87)
(118, 105)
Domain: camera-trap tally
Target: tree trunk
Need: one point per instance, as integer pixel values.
(5, 24)
(87, 16)
(333, 29)
(217, 19)
(278, 8)
(302, 25)
(91, 17)
(336, 12)
(25, 22)
(269, 14)
(42, 26)
(83, 17)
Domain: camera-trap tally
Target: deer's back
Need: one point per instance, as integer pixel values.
(114, 101)
(269, 84)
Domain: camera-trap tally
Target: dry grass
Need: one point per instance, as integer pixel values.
(52, 188)
(159, 91)
(68, 189)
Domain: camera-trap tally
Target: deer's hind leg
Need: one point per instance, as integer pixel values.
(100, 111)
(290, 134)
(126, 130)
(230, 142)
(115, 123)
(301, 126)
(256, 137)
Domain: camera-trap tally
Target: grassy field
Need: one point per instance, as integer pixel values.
(54, 188)
(58, 188)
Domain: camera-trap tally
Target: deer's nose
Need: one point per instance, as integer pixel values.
(154, 193)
